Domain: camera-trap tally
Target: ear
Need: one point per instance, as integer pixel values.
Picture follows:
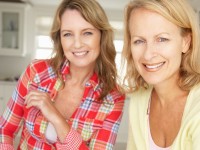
(186, 43)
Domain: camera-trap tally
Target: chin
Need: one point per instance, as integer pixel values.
(152, 81)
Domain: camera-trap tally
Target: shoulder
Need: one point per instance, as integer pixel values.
(139, 101)
(190, 129)
(141, 95)
(138, 108)
(193, 100)
(192, 106)
(115, 96)
(40, 69)
(195, 91)
(40, 65)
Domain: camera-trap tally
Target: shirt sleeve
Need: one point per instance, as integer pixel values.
(6, 147)
(10, 121)
(104, 138)
(73, 141)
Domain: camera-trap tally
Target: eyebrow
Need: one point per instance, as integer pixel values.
(163, 33)
(64, 30)
(138, 36)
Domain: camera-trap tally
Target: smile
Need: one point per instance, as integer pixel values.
(80, 53)
(154, 66)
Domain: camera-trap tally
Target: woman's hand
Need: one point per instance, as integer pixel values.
(43, 102)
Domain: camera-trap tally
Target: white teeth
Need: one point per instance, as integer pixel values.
(80, 53)
(155, 66)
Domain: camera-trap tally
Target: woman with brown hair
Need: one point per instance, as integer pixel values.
(71, 101)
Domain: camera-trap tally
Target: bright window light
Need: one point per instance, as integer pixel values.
(43, 53)
(44, 41)
(44, 47)
(118, 45)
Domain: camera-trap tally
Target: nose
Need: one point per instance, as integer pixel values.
(150, 51)
(77, 42)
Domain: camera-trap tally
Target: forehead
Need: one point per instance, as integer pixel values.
(147, 21)
(72, 17)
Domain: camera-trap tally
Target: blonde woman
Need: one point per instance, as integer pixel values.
(163, 73)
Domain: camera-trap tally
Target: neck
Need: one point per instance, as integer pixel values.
(168, 92)
(79, 76)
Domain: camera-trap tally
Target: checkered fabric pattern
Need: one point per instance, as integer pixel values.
(94, 125)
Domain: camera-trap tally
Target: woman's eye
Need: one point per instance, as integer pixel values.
(138, 42)
(162, 39)
(88, 33)
(67, 34)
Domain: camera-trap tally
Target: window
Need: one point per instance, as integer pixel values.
(44, 44)
(44, 47)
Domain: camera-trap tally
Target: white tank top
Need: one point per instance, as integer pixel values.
(50, 133)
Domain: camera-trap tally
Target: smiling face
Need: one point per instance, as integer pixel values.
(156, 46)
(80, 39)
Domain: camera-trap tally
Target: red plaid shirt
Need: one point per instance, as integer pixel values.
(94, 125)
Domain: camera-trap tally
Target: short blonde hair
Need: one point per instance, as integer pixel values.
(181, 14)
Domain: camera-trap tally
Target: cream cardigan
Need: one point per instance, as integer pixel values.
(188, 137)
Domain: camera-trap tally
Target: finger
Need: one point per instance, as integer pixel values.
(32, 94)
(28, 96)
(33, 97)
(32, 103)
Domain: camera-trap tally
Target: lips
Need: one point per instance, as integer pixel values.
(82, 53)
(154, 66)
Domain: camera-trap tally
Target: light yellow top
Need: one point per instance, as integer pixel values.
(188, 137)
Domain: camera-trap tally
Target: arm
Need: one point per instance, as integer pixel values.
(105, 137)
(6, 147)
(12, 116)
(71, 139)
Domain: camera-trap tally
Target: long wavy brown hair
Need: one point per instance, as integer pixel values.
(181, 14)
(93, 13)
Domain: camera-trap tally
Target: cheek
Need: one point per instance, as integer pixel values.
(177, 59)
(95, 43)
(136, 54)
(174, 52)
(65, 44)
(136, 57)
